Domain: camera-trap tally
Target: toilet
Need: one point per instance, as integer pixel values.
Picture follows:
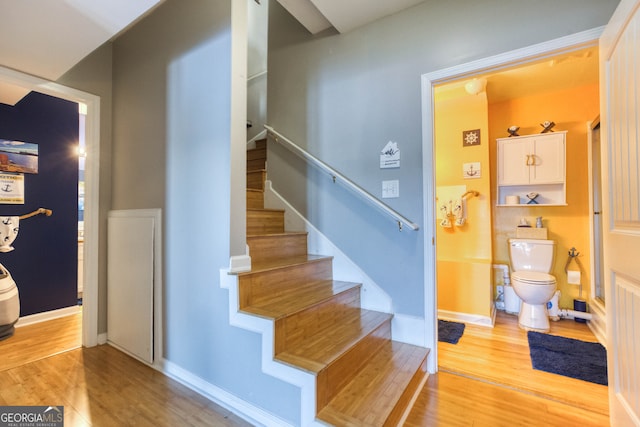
(531, 262)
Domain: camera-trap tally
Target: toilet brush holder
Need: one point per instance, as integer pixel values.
(580, 305)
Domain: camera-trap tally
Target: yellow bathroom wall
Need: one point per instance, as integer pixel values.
(570, 109)
(463, 254)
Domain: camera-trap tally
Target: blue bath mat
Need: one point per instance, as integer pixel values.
(585, 361)
(450, 331)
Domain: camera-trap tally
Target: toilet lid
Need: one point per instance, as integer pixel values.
(534, 277)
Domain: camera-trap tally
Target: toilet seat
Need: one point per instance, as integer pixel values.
(533, 277)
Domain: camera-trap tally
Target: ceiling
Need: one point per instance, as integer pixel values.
(563, 71)
(47, 38)
(344, 16)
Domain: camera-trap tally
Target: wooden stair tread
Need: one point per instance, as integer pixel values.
(329, 344)
(259, 210)
(283, 262)
(297, 299)
(362, 377)
(286, 233)
(371, 397)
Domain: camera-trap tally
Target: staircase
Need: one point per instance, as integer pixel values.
(363, 378)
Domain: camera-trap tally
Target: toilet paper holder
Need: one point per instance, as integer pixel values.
(572, 275)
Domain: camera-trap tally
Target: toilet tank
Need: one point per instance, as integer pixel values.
(532, 254)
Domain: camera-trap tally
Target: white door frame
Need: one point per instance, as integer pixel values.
(92, 168)
(597, 307)
(493, 63)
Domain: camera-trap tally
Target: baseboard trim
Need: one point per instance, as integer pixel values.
(240, 407)
(408, 329)
(102, 338)
(265, 327)
(598, 322)
(48, 315)
(373, 296)
(239, 263)
(474, 319)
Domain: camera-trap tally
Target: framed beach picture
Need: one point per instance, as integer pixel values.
(18, 156)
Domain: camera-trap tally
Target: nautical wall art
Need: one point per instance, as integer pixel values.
(11, 189)
(471, 170)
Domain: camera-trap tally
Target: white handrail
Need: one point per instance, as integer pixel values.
(337, 176)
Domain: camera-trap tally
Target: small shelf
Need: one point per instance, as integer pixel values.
(532, 163)
(548, 194)
(526, 205)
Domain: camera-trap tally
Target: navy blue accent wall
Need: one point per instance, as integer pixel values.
(44, 263)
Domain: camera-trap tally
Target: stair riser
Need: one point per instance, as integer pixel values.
(403, 404)
(256, 165)
(265, 222)
(331, 380)
(263, 248)
(255, 200)
(255, 179)
(255, 287)
(292, 331)
(257, 153)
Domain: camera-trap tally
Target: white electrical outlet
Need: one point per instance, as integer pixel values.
(390, 189)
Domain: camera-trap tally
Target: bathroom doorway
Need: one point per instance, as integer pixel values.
(564, 51)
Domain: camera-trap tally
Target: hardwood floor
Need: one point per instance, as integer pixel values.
(37, 341)
(484, 380)
(98, 386)
(487, 380)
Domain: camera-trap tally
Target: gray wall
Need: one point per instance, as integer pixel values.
(171, 149)
(344, 96)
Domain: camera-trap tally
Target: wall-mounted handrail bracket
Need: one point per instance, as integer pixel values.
(337, 176)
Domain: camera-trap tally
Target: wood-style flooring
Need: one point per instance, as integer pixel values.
(487, 380)
(37, 341)
(97, 386)
(484, 380)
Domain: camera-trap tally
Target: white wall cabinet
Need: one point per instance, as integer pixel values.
(532, 163)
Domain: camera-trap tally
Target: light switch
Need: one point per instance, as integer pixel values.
(390, 189)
